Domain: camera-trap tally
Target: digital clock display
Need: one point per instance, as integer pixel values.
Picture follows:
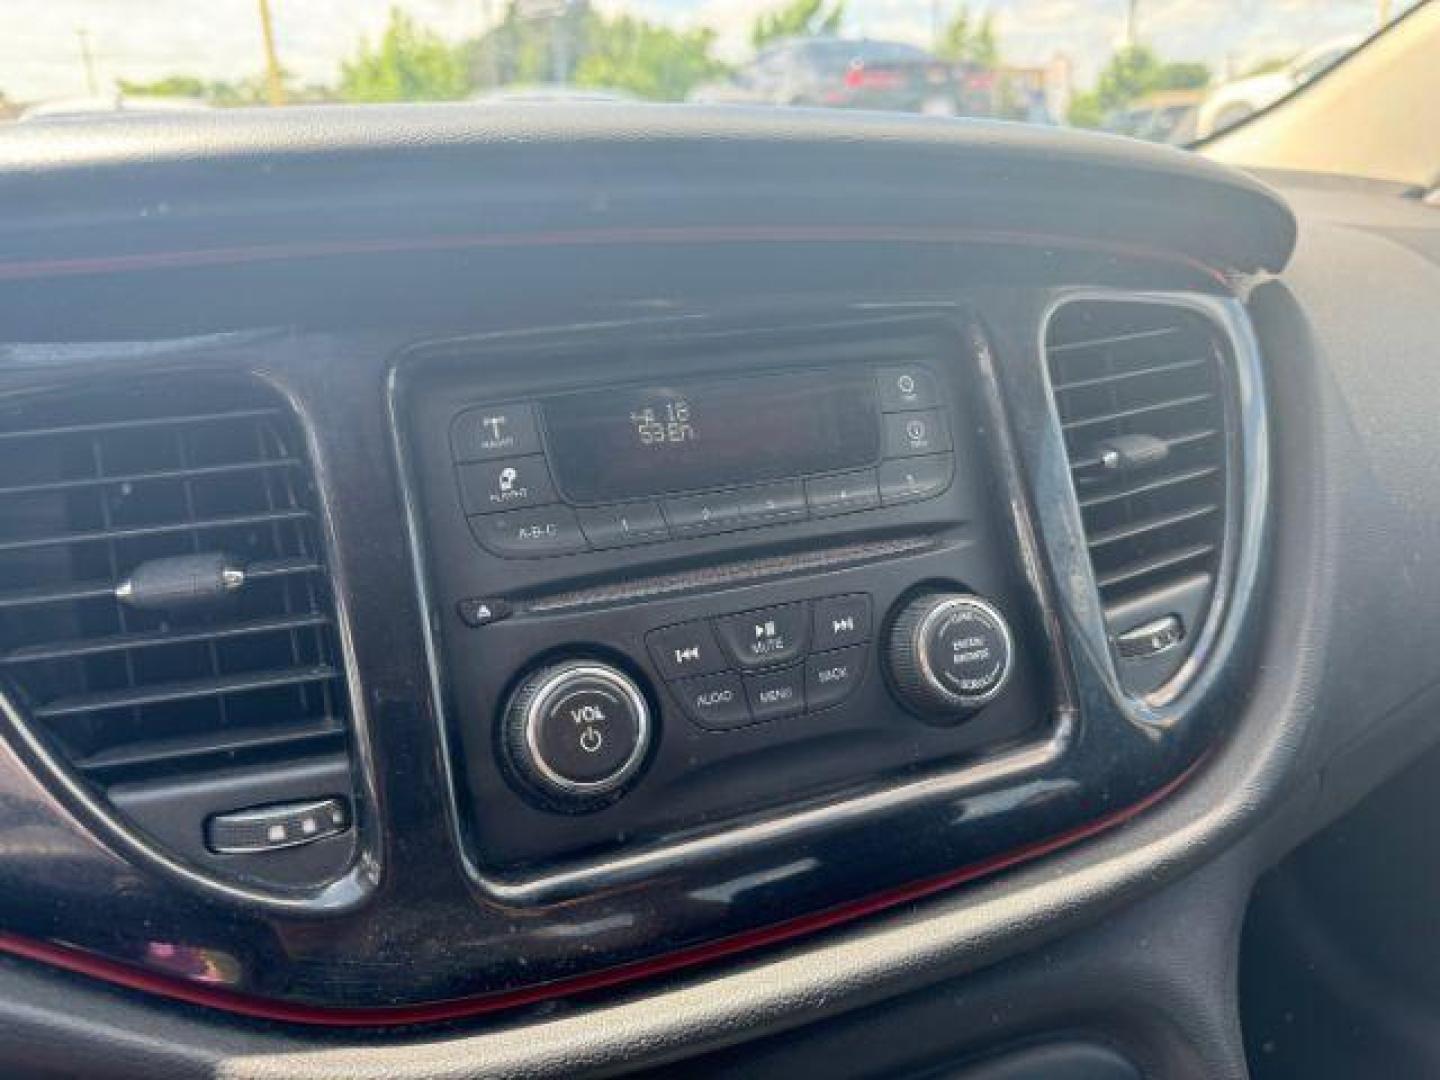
(669, 423)
(609, 445)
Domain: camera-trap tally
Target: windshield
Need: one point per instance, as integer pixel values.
(1165, 70)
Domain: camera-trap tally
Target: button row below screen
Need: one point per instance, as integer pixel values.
(737, 669)
(729, 699)
(557, 529)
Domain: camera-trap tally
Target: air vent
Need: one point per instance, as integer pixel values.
(165, 618)
(1140, 392)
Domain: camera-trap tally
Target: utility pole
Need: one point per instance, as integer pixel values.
(491, 39)
(935, 25)
(88, 59)
(274, 85)
(1132, 24)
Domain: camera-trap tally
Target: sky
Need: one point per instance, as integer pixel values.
(40, 40)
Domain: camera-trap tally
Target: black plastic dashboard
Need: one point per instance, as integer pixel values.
(393, 271)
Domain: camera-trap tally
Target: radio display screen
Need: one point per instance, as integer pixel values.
(608, 445)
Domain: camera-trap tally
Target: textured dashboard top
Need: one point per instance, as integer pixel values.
(150, 171)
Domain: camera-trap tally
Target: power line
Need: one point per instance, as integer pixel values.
(88, 59)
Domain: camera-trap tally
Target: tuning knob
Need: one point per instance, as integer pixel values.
(949, 654)
(575, 733)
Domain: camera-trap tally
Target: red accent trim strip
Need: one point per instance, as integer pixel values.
(719, 234)
(82, 962)
(79, 961)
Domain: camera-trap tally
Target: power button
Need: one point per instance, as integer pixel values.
(577, 731)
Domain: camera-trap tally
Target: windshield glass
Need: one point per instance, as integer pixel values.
(1165, 70)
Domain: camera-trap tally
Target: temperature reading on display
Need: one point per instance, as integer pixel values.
(663, 424)
(635, 442)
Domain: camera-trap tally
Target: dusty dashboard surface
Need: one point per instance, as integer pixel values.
(584, 581)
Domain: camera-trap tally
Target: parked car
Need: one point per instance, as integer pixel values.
(1165, 117)
(1232, 102)
(840, 73)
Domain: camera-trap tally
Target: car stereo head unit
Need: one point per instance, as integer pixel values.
(610, 467)
(688, 581)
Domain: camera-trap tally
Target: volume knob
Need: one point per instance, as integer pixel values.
(575, 733)
(949, 654)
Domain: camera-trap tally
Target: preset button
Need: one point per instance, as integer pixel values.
(842, 493)
(622, 524)
(772, 503)
(692, 515)
(916, 478)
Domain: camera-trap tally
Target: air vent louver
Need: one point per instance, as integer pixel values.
(1140, 395)
(94, 486)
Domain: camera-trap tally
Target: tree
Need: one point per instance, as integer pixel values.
(1085, 111)
(248, 91)
(535, 50)
(986, 51)
(798, 18)
(1188, 76)
(969, 42)
(1132, 73)
(628, 53)
(588, 49)
(410, 64)
(185, 86)
(517, 50)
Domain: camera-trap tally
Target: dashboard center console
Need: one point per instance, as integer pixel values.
(866, 509)
(697, 582)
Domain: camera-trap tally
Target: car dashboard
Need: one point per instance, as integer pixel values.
(559, 589)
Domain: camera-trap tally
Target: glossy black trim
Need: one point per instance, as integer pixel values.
(787, 834)
(389, 950)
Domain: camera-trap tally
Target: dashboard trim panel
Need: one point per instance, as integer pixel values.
(987, 795)
(1175, 756)
(117, 973)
